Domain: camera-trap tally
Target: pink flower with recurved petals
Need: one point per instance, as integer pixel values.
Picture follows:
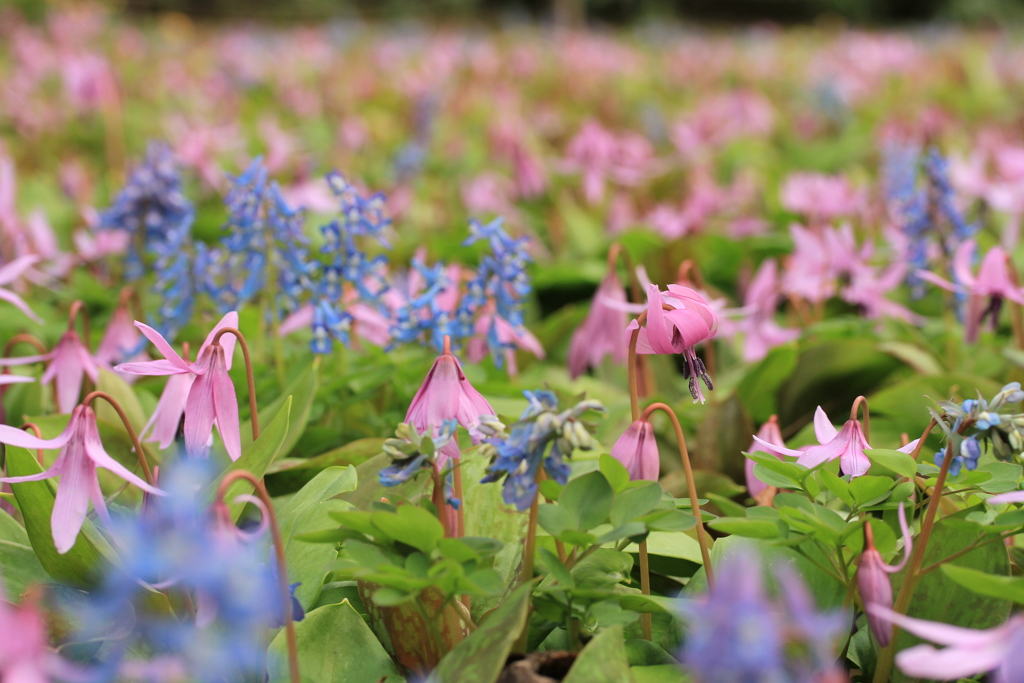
(599, 335)
(11, 272)
(211, 398)
(820, 197)
(81, 452)
(68, 363)
(24, 654)
(120, 338)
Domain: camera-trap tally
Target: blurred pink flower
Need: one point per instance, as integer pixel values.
(768, 438)
(25, 656)
(599, 336)
(599, 155)
(492, 326)
(637, 450)
(9, 274)
(819, 197)
(760, 303)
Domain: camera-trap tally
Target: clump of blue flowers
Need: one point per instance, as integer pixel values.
(157, 216)
(741, 632)
(970, 425)
(178, 546)
(543, 437)
(926, 211)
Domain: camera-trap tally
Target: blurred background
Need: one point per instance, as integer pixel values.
(610, 12)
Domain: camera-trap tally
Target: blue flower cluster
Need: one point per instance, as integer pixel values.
(265, 245)
(359, 217)
(739, 632)
(542, 436)
(422, 318)
(924, 211)
(412, 452)
(177, 546)
(157, 216)
(987, 422)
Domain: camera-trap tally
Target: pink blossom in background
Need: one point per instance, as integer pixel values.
(760, 303)
(637, 450)
(600, 156)
(820, 197)
(506, 334)
(600, 333)
(768, 434)
(720, 119)
(488, 193)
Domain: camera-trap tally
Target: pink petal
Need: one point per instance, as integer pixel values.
(13, 270)
(924, 661)
(166, 416)
(962, 261)
(692, 328)
(938, 281)
(161, 344)
(153, 368)
(301, 318)
(10, 297)
(909, 448)
(937, 632)
(72, 501)
(99, 458)
(25, 360)
(778, 449)
(824, 430)
(227, 341)
(199, 416)
(15, 379)
(815, 455)
(225, 406)
(1010, 497)
(22, 439)
(67, 366)
(659, 335)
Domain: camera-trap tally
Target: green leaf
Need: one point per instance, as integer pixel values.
(334, 644)
(296, 401)
(309, 510)
(556, 568)
(773, 478)
(603, 660)
(82, 566)
(615, 472)
(588, 499)
(301, 470)
(481, 657)
(255, 459)
(982, 583)
(895, 461)
(411, 525)
(554, 519)
(120, 391)
(19, 566)
(550, 489)
(868, 490)
(636, 502)
(742, 526)
(838, 486)
(659, 673)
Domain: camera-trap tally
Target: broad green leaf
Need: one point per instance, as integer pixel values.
(991, 585)
(895, 461)
(481, 657)
(940, 598)
(334, 644)
(791, 471)
(369, 490)
(868, 490)
(603, 660)
(1005, 476)
(293, 473)
(256, 458)
(588, 499)
(773, 478)
(19, 566)
(309, 510)
(839, 487)
(411, 525)
(615, 472)
(659, 673)
(741, 526)
(296, 401)
(554, 519)
(635, 502)
(556, 568)
(84, 563)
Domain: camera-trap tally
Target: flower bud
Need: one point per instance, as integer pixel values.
(637, 450)
(875, 589)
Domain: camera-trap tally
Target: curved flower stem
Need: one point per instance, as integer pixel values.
(90, 397)
(858, 402)
(282, 568)
(1016, 316)
(34, 428)
(253, 416)
(614, 252)
(691, 486)
(913, 575)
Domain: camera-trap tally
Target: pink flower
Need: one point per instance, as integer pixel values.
(81, 452)
(992, 283)
(11, 272)
(768, 434)
(211, 398)
(120, 338)
(24, 655)
(873, 578)
(847, 444)
(446, 394)
(169, 410)
(637, 450)
(760, 301)
(809, 273)
(868, 288)
(599, 155)
(969, 652)
(691, 321)
(69, 362)
(820, 197)
(599, 335)
(490, 326)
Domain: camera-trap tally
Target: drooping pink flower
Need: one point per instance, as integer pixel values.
(211, 398)
(969, 652)
(820, 197)
(68, 363)
(490, 325)
(637, 450)
(599, 334)
(120, 337)
(169, 410)
(985, 291)
(809, 272)
(691, 321)
(873, 578)
(446, 394)
(9, 273)
(24, 654)
(847, 444)
(600, 155)
(760, 302)
(81, 452)
(868, 288)
(770, 434)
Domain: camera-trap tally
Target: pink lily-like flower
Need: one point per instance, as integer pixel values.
(969, 652)
(446, 394)
(69, 363)
(637, 450)
(24, 654)
(598, 336)
(81, 452)
(873, 578)
(993, 283)
(506, 333)
(820, 197)
(120, 337)
(211, 398)
(847, 444)
(769, 433)
(691, 321)
(761, 300)
(11, 272)
(868, 288)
